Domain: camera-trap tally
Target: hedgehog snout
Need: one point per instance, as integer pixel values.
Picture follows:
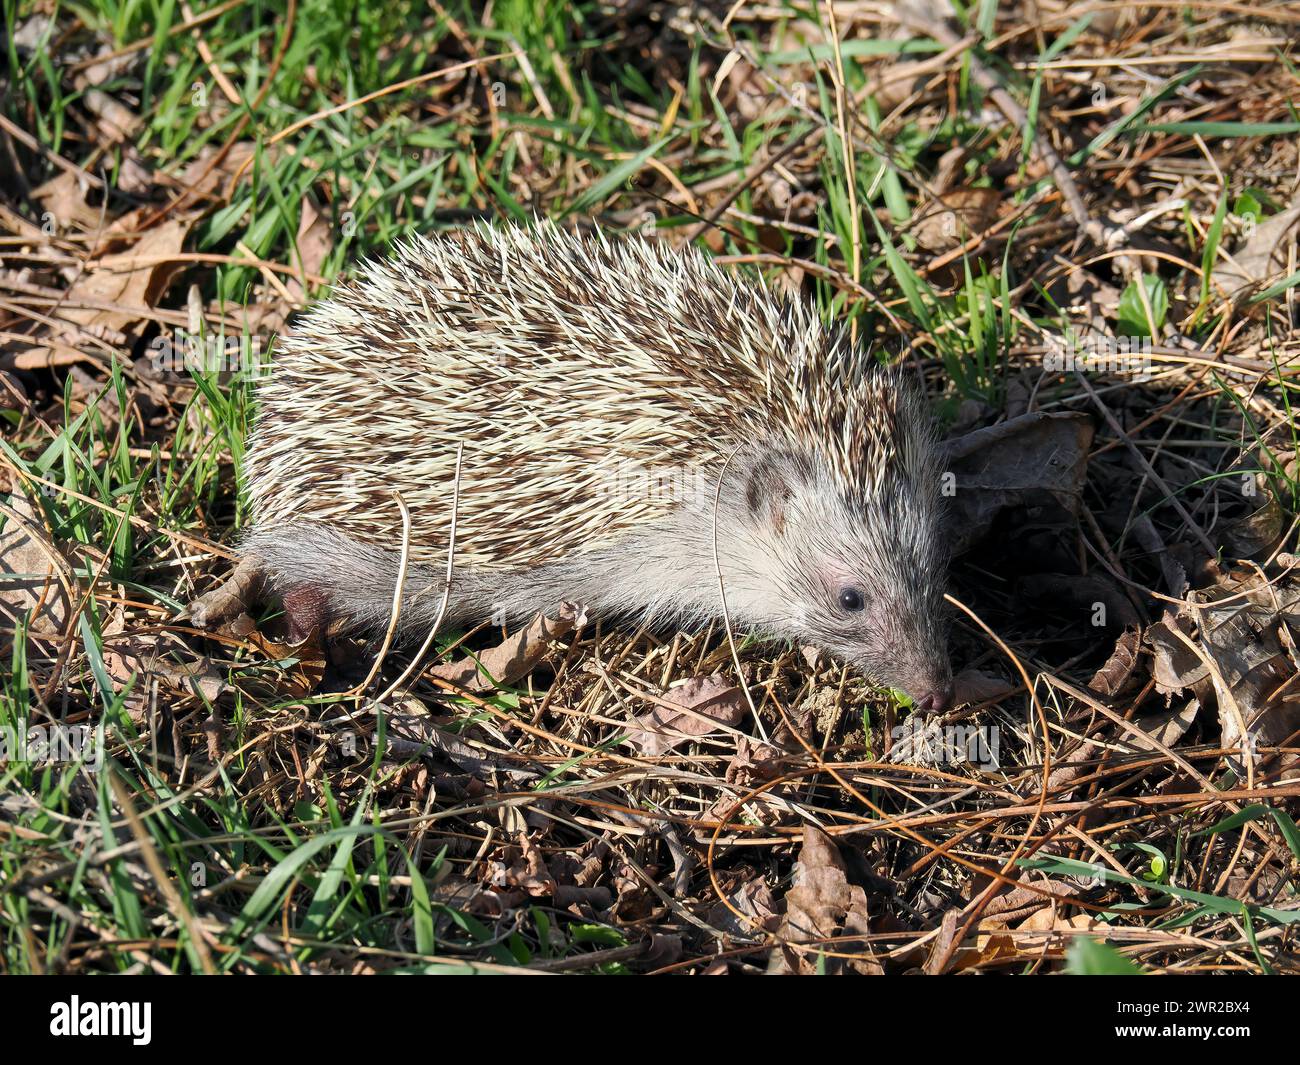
(928, 682)
(916, 663)
(935, 701)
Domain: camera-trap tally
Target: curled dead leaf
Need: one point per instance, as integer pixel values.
(517, 654)
(822, 905)
(1231, 646)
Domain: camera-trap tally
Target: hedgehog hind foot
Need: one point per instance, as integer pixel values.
(245, 587)
(329, 580)
(305, 612)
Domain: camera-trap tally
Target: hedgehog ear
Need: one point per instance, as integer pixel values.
(769, 482)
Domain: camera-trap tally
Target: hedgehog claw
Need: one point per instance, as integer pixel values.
(228, 599)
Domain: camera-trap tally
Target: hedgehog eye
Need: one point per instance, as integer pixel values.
(851, 599)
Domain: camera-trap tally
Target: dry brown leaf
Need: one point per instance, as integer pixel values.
(1000, 946)
(110, 67)
(1241, 626)
(203, 180)
(1166, 727)
(1037, 460)
(134, 280)
(315, 239)
(664, 950)
(131, 282)
(530, 873)
(1258, 533)
(972, 687)
(752, 764)
(822, 904)
(115, 121)
(30, 565)
(898, 81)
(517, 655)
(63, 199)
(1110, 679)
(753, 898)
(1262, 257)
(949, 220)
(142, 659)
(307, 671)
(698, 707)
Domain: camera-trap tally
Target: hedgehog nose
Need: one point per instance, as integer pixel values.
(935, 701)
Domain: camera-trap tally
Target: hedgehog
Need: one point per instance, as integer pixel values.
(638, 431)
